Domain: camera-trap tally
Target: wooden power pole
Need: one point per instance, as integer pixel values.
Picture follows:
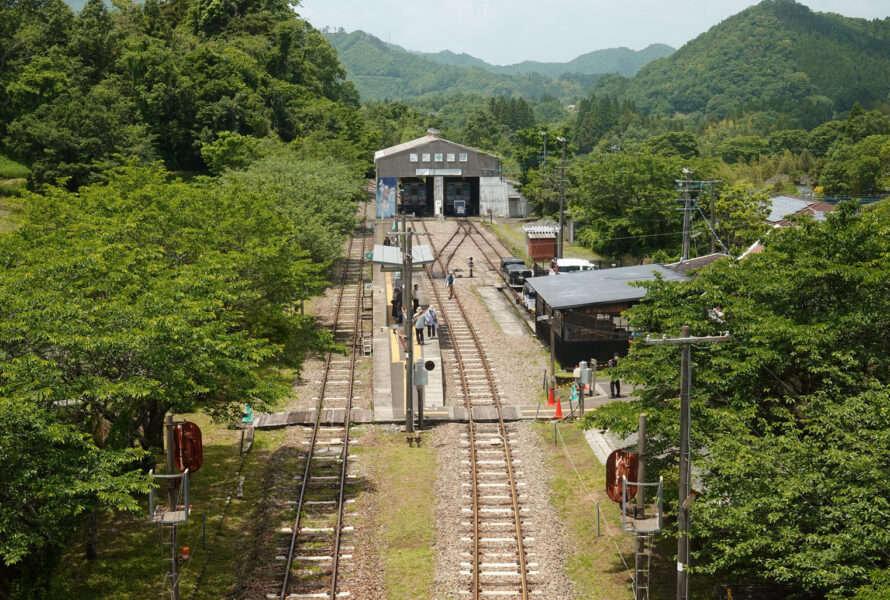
(684, 497)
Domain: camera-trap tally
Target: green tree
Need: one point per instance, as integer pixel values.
(626, 203)
(789, 492)
(50, 474)
(673, 143)
(231, 151)
(741, 217)
(857, 168)
(746, 148)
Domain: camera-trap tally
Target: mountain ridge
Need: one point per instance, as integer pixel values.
(770, 54)
(622, 60)
(381, 70)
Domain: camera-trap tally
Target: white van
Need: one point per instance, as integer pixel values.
(571, 265)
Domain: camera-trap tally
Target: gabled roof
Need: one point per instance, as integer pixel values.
(607, 286)
(422, 141)
(782, 207)
(696, 263)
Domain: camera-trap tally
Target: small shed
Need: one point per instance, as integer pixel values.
(587, 308)
(541, 242)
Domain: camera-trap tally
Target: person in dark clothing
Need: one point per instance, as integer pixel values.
(614, 382)
(397, 305)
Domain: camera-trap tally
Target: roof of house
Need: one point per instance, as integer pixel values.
(782, 207)
(598, 287)
(696, 263)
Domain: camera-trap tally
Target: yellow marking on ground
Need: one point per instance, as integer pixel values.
(394, 341)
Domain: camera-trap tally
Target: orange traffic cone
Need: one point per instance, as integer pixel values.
(550, 397)
(558, 413)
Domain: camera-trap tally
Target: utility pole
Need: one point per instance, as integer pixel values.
(687, 216)
(171, 506)
(409, 334)
(641, 578)
(713, 222)
(562, 197)
(684, 497)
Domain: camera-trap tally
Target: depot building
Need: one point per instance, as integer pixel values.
(429, 176)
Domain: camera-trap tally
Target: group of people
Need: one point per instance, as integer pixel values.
(428, 319)
(423, 319)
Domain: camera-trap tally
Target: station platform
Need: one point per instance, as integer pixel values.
(388, 356)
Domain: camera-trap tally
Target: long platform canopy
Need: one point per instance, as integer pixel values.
(607, 286)
(391, 257)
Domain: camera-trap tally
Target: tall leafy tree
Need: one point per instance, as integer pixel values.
(627, 203)
(792, 484)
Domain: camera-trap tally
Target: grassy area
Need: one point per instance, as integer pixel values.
(8, 210)
(131, 555)
(513, 237)
(599, 566)
(9, 169)
(596, 565)
(406, 515)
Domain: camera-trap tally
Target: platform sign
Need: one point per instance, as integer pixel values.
(386, 196)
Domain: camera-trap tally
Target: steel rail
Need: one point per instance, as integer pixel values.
(514, 495)
(318, 410)
(495, 268)
(347, 417)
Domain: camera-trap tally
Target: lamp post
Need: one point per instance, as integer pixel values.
(562, 196)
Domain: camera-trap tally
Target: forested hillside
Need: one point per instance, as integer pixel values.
(383, 71)
(194, 168)
(158, 80)
(623, 61)
(777, 54)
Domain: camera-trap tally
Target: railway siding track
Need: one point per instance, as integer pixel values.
(316, 548)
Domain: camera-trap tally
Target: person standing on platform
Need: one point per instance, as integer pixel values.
(419, 324)
(431, 323)
(415, 297)
(614, 382)
(449, 283)
(397, 305)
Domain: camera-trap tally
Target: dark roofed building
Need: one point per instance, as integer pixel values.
(586, 308)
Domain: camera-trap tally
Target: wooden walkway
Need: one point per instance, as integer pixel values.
(441, 414)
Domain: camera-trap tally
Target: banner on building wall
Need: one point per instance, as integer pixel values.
(386, 196)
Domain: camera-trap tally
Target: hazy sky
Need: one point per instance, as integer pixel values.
(510, 31)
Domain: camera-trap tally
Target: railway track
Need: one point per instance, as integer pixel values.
(495, 550)
(317, 544)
